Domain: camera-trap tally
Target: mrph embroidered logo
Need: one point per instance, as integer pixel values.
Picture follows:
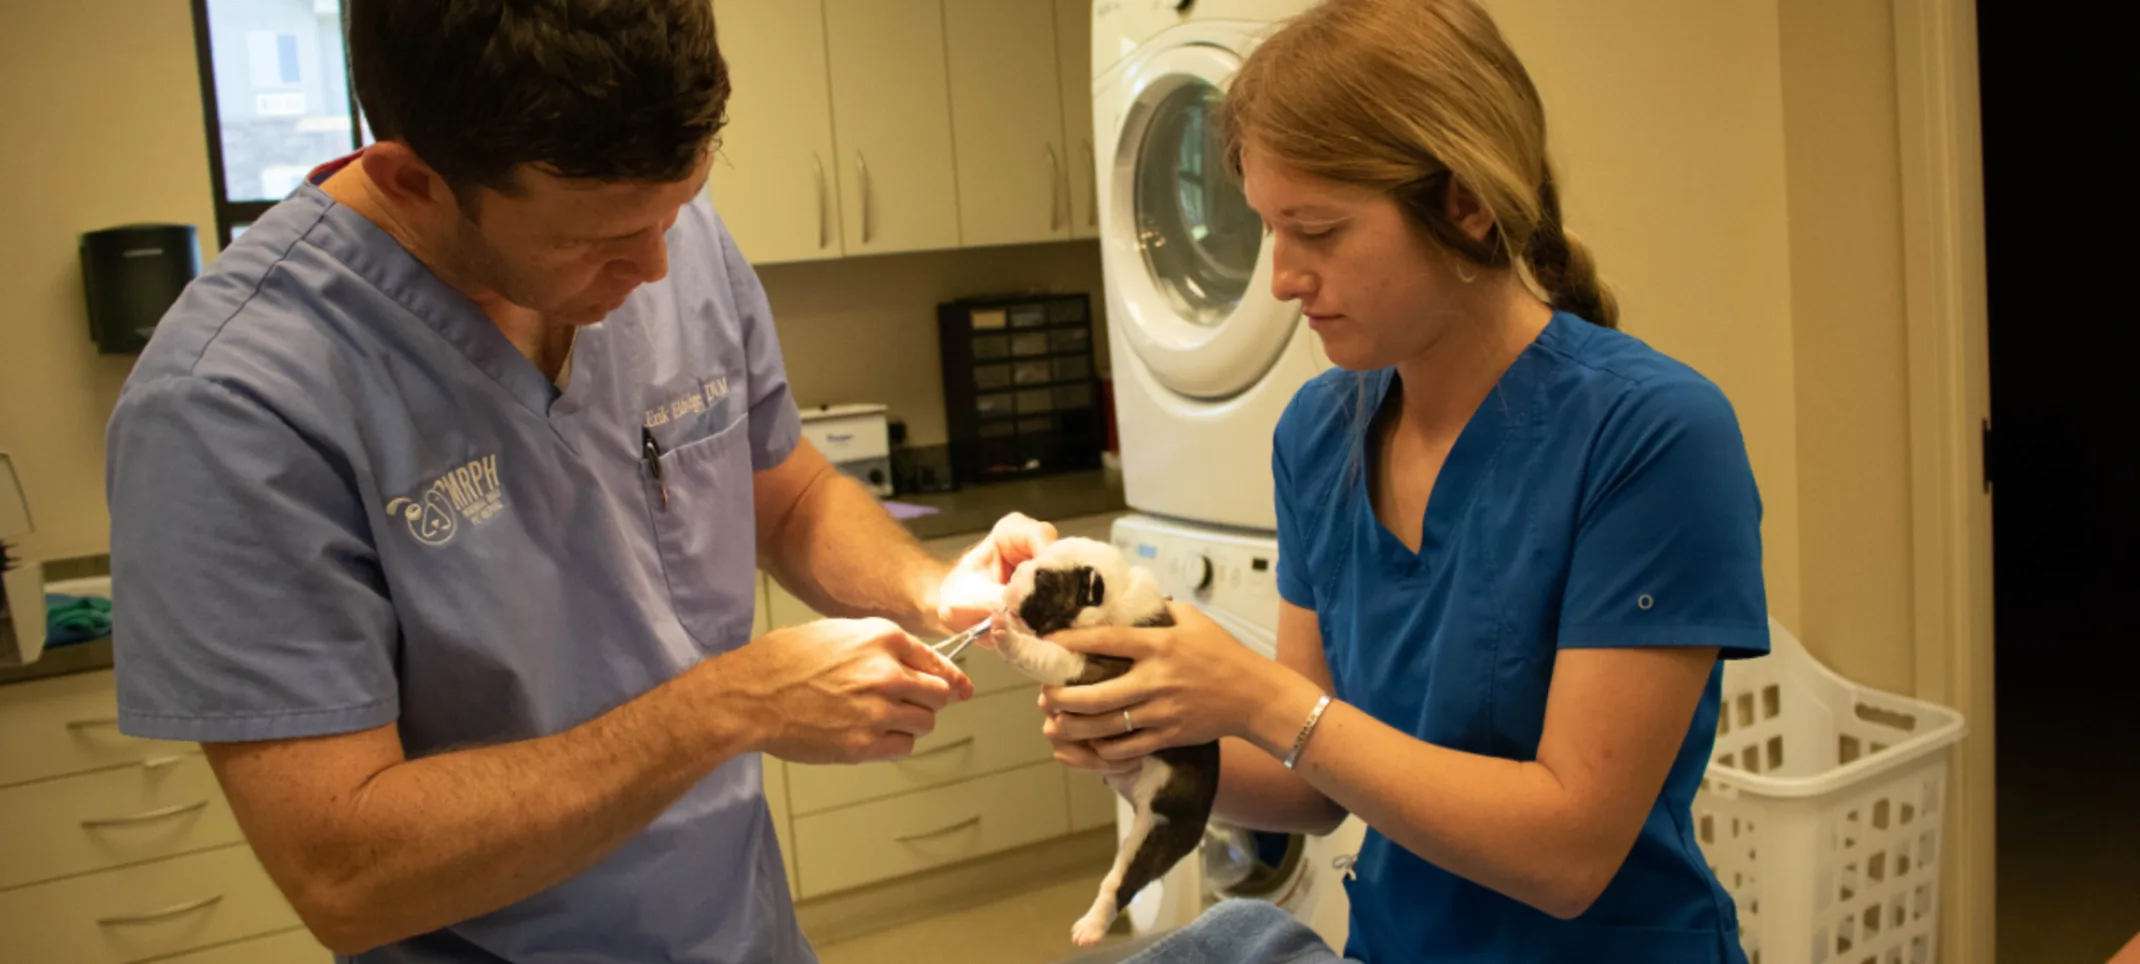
(468, 493)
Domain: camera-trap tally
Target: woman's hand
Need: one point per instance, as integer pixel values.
(1192, 683)
(1080, 755)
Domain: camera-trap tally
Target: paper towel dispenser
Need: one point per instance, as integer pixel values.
(130, 276)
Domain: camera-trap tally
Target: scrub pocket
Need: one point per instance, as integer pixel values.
(708, 535)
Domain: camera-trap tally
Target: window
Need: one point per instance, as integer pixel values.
(277, 98)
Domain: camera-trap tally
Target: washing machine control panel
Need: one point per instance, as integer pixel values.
(1231, 575)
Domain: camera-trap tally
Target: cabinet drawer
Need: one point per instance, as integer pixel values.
(145, 911)
(988, 735)
(65, 725)
(930, 828)
(166, 806)
(288, 947)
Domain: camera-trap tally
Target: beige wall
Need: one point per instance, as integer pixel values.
(1848, 330)
(100, 124)
(1680, 187)
(864, 329)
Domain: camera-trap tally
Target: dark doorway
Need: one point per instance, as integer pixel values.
(2066, 507)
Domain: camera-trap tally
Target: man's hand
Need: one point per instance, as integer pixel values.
(844, 690)
(974, 588)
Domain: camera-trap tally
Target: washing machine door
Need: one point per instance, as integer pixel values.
(1180, 239)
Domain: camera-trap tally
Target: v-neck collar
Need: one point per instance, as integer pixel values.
(1506, 412)
(382, 262)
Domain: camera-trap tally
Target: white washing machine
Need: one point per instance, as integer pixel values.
(1204, 358)
(1233, 577)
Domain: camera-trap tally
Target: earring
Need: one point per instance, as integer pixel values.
(1465, 274)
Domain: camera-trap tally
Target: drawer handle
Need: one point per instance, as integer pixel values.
(92, 723)
(946, 748)
(159, 762)
(968, 823)
(158, 915)
(146, 816)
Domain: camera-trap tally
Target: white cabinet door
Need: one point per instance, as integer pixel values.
(892, 120)
(1006, 114)
(1073, 40)
(774, 182)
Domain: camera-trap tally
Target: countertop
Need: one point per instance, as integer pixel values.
(968, 511)
(1047, 498)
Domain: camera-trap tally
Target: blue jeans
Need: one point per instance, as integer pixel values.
(1241, 932)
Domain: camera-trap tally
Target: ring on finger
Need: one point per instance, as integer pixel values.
(1128, 726)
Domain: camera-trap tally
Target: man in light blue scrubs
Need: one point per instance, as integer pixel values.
(437, 503)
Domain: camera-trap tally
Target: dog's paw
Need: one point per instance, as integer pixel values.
(1090, 928)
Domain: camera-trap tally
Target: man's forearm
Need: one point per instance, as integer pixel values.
(843, 555)
(436, 840)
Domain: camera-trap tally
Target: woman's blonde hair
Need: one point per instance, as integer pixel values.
(1404, 96)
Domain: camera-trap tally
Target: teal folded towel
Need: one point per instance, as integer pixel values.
(75, 619)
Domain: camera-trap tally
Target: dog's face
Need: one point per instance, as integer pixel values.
(1079, 582)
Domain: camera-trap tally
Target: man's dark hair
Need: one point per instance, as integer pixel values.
(605, 90)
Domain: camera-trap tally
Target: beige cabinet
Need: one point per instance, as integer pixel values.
(773, 182)
(68, 724)
(913, 832)
(892, 122)
(163, 807)
(1006, 115)
(1073, 43)
(119, 849)
(761, 618)
(146, 910)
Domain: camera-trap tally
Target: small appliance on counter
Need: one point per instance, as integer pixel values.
(22, 584)
(855, 439)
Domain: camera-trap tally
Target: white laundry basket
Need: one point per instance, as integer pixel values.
(1821, 812)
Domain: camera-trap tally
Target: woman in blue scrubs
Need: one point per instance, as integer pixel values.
(1515, 543)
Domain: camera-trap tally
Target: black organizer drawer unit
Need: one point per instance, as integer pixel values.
(1021, 389)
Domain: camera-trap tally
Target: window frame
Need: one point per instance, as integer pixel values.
(228, 213)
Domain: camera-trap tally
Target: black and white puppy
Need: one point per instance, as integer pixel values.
(1078, 584)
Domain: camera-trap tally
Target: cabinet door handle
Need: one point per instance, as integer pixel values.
(1092, 170)
(862, 174)
(92, 723)
(819, 163)
(969, 822)
(939, 750)
(1055, 185)
(156, 915)
(146, 816)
